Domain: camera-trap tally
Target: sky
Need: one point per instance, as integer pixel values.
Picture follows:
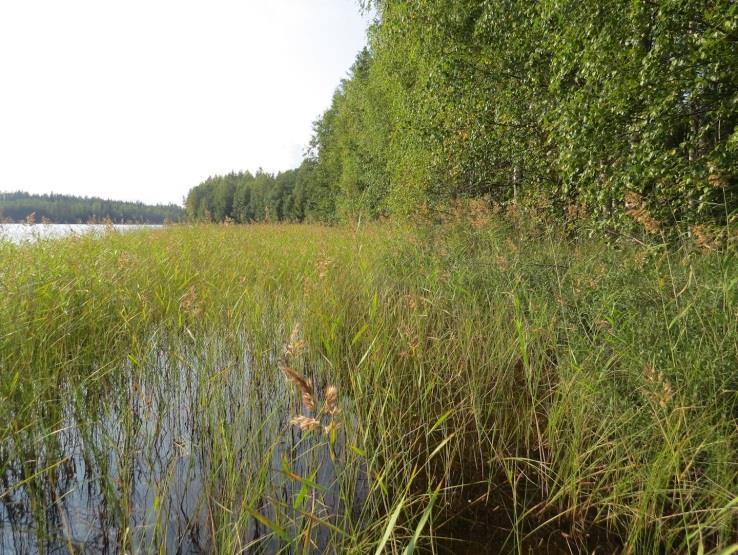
(144, 99)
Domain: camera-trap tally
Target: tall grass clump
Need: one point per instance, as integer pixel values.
(467, 386)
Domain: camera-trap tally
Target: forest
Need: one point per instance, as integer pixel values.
(64, 209)
(621, 114)
(245, 197)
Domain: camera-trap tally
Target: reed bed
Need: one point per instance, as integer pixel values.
(436, 388)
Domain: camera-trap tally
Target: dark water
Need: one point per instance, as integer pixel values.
(151, 458)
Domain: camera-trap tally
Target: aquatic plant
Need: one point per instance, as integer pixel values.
(498, 387)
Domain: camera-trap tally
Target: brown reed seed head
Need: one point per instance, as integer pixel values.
(637, 210)
(330, 405)
(323, 265)
(124, 260)
(189, 302)
(662, 392)
(295, 346)
(308, 401)
(305, 423)
(706, 238)
(331, 427)
(303, 385)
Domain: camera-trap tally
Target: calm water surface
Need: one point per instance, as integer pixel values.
(137, 461)
(18, 233)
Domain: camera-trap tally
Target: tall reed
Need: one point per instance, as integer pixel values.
(500, 389)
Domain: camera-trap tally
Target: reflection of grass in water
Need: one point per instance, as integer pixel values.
(525, 392)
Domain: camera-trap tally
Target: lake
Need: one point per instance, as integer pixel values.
(18, 233)
(147, 437)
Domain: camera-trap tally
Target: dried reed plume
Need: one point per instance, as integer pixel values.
(323, 265)
(189, 302)
(705, 238)
(330, 405)
(296, 346)
(638, 211)
(305, 423)
(662, 392)
(331, 427)
(303, 385)
(124, 260)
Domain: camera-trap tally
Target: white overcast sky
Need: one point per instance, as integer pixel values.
(143, 99)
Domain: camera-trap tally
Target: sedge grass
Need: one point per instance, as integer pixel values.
(499, 390)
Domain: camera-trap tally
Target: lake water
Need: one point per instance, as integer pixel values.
(136, 459)
(18, 233)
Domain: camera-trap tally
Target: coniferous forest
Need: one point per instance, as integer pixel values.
(66, 209)
(621, 113)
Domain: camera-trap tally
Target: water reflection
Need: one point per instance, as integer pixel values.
(169, 456)
(18, 233)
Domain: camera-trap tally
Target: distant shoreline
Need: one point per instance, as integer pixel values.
(22, 233)
(20, 207)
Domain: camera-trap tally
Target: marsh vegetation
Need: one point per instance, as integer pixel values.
(460, 387)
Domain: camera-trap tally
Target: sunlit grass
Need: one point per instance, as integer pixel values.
(494, 385)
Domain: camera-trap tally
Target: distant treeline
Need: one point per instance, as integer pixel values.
(65, 209)
(618, 111)
(246, 197)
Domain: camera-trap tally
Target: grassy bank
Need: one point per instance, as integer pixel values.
(496, 388)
